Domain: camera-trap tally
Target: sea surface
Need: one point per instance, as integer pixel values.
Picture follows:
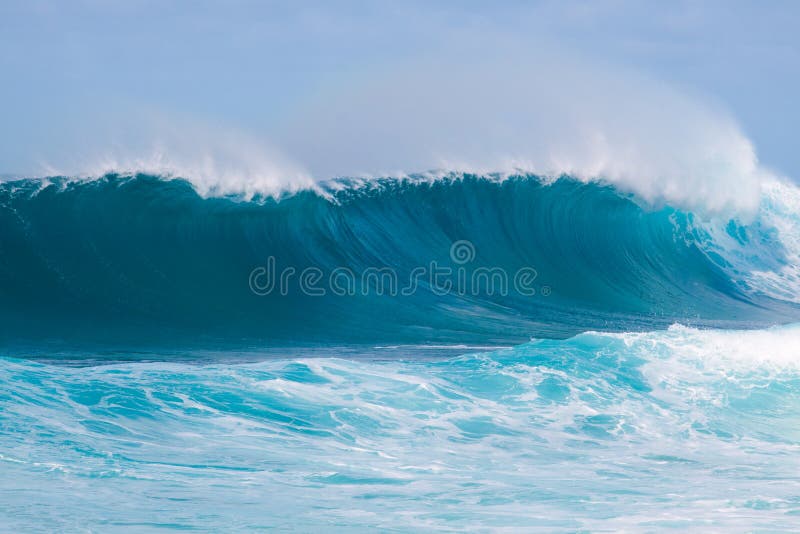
(460, 353)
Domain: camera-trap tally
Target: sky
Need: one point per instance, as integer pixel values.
(332, 88)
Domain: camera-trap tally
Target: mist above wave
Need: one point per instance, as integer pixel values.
(504, 111)
(539, 112)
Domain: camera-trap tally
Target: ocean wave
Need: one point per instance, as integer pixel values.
(144, 259)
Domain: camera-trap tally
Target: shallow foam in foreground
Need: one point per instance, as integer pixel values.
(594, 432)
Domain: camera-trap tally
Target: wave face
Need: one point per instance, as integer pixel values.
(684, 429)
(143, 260)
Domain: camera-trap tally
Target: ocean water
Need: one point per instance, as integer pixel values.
(646, 375)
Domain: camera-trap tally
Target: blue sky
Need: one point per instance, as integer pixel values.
(79, 78)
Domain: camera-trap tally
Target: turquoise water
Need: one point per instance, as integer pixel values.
(140, 260)
(676, 429)
(646, 378)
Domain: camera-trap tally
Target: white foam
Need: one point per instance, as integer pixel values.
(777, 347)
(780, 210)
(766, 256)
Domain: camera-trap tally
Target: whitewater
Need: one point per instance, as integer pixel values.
(650, 380)
(679, 429)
